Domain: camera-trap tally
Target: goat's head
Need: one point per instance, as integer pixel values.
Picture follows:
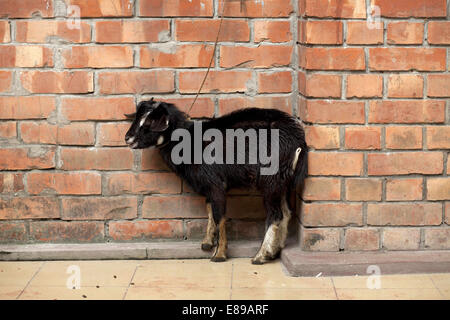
(149, 127)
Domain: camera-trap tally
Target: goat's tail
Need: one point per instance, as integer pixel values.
(300, 173)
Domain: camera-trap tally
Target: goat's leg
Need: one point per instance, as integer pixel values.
(208, 240)
(274, 236)
(218, 213)
(284, 222)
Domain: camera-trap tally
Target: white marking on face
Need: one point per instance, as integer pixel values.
(297, 153)
(130, 140)
(141, 123)
(160, 140)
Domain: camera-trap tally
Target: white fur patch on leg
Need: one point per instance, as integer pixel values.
(270, 244)
(284, 222)
(160, 140)
(297, 154)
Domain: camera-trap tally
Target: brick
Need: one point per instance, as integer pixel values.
(407, 59)
(152, 160)
(405, 86)
(363, 189)
(404, 189)
(57, 82)
(438, 137)
(103, 8)
(96, 159)
(31, 107)
(438, 85)
(272, 31)
(358, 32)
(143, 183)
(320, 239)
(263, 56)
(217, 81)
(43, 31)
(11, 183)
(320, 32)
(64, 231)
(335, 164)
(319, 85)
(98, 57)
(405, 8)
(320, 137)
(405, 32)
(176, 8)
(206, 30)
(99, 208)
(11, 232)
(241, 229)
(331, 214)
(407, 111)
(8, 130)
(400, 163)
(174, 207)
(404, 214)
(27, 158)
(227, 105)
(329, 111)
(25, 57)
(447, 213)
(332, 58)
(333, 8)
(257, 9)
(245, 207)
(438, 188)
(367, 138)
(64, 183)
(438, 32)
(5, 32)
(136, 82)
(322, 189)
(404, 137)
(437, 238)
(364, 86)
(112, 134)
(203, 108)
(44, 133)
(176, 56)
(5, 80)
(269, 82)
(26, 9)
(131, 31)
(98, 108)
(362, 239)
(401, 238)
(15, 208)
(145, 229)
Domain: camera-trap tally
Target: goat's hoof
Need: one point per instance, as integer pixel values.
(207, 246)
(258, 261)
(218, 259)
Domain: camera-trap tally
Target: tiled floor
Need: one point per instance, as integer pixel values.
(200, 279)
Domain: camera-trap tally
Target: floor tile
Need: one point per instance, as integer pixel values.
(386, 282)
(10, 293)
(92, 273)
(164, 293)
(282, 294)
(63, 293)
(190, 275)
(441, 280)
(17, 273)
(388, 294)
(445, 293)
(271, 275)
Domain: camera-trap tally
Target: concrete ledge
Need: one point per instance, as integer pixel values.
(307, 264)
(113, 251)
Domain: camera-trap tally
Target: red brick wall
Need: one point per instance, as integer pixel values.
(373, 101)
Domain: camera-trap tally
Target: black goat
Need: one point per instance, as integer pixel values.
(156, 124)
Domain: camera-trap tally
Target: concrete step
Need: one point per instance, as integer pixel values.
(112, 251)
(309, 264)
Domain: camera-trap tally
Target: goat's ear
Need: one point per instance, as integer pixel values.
(130, 116)
(159, 119)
